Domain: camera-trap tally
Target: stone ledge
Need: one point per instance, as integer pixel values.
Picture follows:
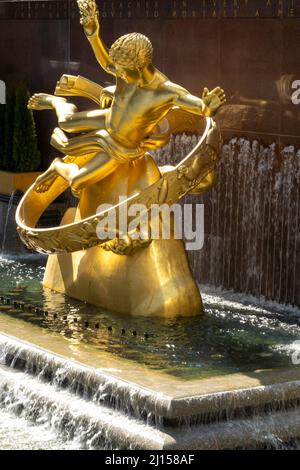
(144, 391)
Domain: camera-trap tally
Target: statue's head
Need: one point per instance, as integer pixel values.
(130, 55)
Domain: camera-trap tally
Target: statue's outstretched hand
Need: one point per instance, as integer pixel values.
(213, 100)
(89, 15)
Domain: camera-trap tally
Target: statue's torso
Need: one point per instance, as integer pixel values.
(135, 111)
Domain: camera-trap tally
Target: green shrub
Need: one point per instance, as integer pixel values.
(18, 141)
(7, 160)
(25, 155)
(2, 133)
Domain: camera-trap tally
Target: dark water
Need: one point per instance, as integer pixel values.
(231, 336)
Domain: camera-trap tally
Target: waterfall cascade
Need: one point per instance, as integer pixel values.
(99, 411)
(251, 219)
(7, 218)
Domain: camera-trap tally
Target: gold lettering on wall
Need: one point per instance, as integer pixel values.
(63, 9)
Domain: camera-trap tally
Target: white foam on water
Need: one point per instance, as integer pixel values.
(236, 300)
(17, 433)
(78, 421)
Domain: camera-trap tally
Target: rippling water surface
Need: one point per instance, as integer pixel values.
(231, 336)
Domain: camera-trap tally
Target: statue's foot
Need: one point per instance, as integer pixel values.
(44, 185)
(40, 101)
(45, 181)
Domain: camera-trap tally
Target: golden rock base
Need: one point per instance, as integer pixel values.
(153, 281)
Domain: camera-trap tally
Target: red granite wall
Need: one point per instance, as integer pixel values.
(251, 51)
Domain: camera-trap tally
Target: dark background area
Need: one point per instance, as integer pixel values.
(248, 47)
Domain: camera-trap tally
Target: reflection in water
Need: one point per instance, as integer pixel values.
(229, 337)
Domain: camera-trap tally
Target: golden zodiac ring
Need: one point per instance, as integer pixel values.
(81, 235)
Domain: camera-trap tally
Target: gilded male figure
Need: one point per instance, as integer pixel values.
(128, 125)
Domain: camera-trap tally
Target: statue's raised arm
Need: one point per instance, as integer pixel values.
(89, 19)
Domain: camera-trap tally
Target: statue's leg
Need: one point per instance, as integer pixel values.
(75, 146)
(100, 166)
(69, 118)
(57, 168)
(40, 101)
(83, 121)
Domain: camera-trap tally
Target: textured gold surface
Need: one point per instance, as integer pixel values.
(153, 280)
(109, 158)
(80, 235)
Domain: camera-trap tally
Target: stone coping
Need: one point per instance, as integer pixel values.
(164, 395)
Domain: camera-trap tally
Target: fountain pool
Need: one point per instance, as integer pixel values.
(93, 379)
(232, 336)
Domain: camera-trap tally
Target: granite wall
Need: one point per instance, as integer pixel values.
(249, 47)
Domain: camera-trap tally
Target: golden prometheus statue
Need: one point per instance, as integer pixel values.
(108, 158)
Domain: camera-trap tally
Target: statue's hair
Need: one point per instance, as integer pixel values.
(133, 51)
